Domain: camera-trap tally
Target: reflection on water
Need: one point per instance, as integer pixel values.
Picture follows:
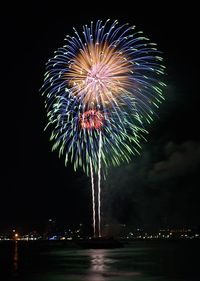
(139, 261)
(98, 265)
(16, 257)
(98, 261)
(101, 266)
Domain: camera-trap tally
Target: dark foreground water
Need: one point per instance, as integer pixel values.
(137, 261)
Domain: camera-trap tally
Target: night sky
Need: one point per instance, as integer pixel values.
(159, 188)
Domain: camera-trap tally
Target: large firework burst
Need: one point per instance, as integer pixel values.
(103, 84)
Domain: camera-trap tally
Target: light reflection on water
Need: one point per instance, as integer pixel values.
(101, 266)
(89, 265)
(136, 262)
(16, 257)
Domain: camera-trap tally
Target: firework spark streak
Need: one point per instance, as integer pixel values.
(104, 83)
(99, 185)
(93, 199)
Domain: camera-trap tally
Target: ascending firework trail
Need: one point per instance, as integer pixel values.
(101, 89)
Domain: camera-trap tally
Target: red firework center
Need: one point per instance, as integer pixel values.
(91, 119)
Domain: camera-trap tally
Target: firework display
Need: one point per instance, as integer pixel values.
(100, 91)
(104, 80)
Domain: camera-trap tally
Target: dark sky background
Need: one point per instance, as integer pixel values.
(159, 188)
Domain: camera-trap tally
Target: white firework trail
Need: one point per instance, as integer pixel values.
(93, 198)
(99, 185)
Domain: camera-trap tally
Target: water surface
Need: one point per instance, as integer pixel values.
(137, 261)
